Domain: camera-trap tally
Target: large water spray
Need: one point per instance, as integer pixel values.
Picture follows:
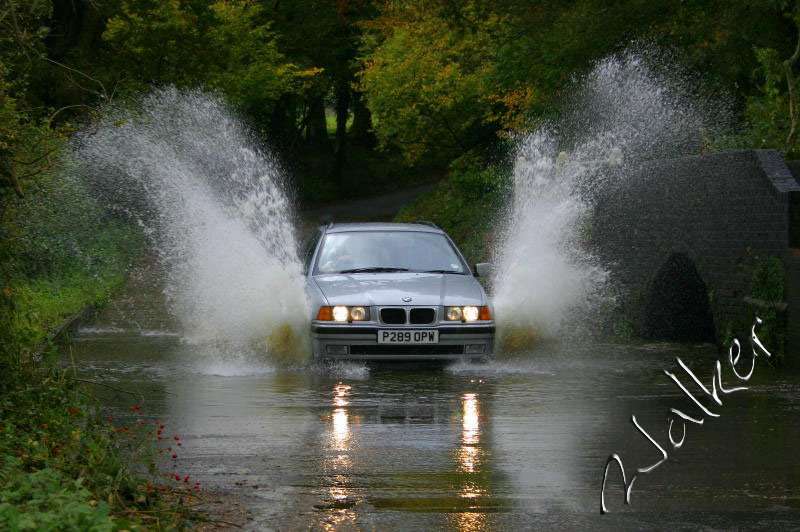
(548, 280)
(184, 167)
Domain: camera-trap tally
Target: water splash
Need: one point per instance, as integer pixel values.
(214, 206)
(549, 281)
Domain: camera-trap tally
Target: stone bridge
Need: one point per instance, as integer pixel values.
(683, 236)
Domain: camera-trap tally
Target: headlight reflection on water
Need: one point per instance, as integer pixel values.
(339, 494)
(340, 436)
(341, 429)
(470, 433)
(470, 518)
(469, 522)
(340, 397)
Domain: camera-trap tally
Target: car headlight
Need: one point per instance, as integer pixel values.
(453, 313)
(470, 313)
(340, 313)
(343, 313)
(467, 313)
(358, 313)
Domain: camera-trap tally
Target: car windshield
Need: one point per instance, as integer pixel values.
(387, 251)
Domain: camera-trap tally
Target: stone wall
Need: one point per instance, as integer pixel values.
(723, 211)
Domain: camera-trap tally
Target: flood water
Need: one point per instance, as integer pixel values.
(508, 445)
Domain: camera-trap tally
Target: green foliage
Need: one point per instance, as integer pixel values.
(765, 294)
(59, 252)
(223, 45)
(768, 112)
(62, 465)
(445, 77)
(426, 83)
(49, 500)
(767, 284)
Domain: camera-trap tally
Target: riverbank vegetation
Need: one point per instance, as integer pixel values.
(354, 96)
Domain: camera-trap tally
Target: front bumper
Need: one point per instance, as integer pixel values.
(360, 342)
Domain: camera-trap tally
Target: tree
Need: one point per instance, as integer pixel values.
(326, 34)
(224, 45)
(425, 73)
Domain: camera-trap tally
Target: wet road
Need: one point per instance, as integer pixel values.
(511, 445)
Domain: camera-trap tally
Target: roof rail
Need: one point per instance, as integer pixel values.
(427, 222)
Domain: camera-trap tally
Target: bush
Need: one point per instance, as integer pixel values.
(48, 500)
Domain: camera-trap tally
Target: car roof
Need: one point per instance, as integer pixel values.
(422, 227)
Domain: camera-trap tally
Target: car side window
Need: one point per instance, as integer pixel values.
(308, 254)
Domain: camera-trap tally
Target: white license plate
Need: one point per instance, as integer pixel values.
(399, 336)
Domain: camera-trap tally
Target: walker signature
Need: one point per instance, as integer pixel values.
(676, 415)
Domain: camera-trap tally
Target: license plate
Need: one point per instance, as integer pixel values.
(408, 337)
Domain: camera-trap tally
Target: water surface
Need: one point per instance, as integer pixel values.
(513, 444)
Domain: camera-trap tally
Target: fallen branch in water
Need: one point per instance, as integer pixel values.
(138, 395)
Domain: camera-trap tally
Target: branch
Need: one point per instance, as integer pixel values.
(52, 116)
(17, 185)
(135, 394)
(103, 91)
(34, 161)
(787, 66)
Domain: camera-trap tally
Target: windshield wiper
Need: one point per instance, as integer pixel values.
(444, 271)
(374, 269)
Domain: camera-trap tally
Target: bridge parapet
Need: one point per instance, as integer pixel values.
(722, 212)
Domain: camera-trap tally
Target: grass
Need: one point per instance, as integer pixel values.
(330, 122)
(43, 304)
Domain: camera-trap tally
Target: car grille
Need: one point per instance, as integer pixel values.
(393, 316)
(406, 349)
(419, 316)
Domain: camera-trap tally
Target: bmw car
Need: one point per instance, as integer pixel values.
(394, 292)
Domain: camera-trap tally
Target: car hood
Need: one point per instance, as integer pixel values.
(390, 288)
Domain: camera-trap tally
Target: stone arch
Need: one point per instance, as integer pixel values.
(677, 306)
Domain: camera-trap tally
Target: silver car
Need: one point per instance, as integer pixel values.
(391, 291)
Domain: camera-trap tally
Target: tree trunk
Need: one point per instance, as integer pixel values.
(342, 109)
(279, 124)
(361, 130)
(317, 129)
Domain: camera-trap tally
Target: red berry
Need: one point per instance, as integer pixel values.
(174, 455)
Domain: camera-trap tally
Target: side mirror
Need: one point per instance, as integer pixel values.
(483, 269)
